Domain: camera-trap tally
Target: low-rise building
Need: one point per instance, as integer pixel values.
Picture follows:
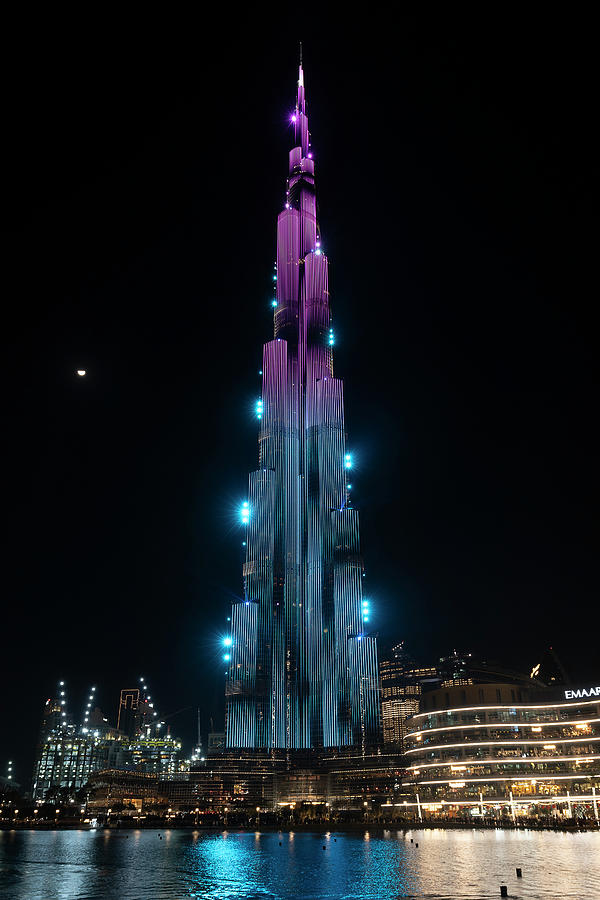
(502, 749)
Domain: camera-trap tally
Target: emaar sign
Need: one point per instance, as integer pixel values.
(583, 692)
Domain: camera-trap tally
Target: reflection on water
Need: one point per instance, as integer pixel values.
(232, 865)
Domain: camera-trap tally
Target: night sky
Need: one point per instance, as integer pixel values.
(145, 165)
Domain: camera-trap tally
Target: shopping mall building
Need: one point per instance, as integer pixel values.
(500, 750)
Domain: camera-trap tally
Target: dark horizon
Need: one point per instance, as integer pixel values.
(140, 245)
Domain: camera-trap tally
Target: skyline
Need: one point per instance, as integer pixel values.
(473, 466)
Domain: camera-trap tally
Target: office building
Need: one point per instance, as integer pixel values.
(402, 681)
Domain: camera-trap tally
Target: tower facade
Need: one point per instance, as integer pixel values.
(302, 671)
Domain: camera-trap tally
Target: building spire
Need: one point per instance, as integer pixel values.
(300, 118)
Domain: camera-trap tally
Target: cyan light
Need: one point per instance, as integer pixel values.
(226, 657)
(273, 303)
(227, 641)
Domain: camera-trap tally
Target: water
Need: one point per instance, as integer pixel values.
(135, 865)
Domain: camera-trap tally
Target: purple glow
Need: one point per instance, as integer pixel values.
(331, 689)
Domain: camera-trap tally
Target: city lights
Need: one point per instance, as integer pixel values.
(315, 726)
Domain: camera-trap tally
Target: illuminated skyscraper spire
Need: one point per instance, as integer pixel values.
(301, 671)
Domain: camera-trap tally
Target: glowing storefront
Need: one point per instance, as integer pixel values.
(505, 758)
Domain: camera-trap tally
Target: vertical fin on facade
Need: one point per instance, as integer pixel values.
(302, 674)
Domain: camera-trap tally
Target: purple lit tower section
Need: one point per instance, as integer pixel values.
(302, 672)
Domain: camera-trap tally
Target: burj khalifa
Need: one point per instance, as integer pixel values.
(302, 668)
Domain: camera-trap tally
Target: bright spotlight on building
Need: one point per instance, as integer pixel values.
(227, 642)
(245, 512)
(226, 657)
(348, 460)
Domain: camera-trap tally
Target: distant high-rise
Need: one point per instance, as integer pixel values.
(302, 668)
(402, 683)
(129, 717)
(136, 712)
(64, 759)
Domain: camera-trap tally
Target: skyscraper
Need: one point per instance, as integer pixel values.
(402, 682)
(302, 669)
(129, 716)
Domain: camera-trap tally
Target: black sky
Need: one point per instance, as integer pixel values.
(145, 165)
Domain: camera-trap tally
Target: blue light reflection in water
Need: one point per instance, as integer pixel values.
(135, 865)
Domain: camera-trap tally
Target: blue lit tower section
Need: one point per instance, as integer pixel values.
(302, 669)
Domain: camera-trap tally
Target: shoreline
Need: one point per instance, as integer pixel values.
(333, 828)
